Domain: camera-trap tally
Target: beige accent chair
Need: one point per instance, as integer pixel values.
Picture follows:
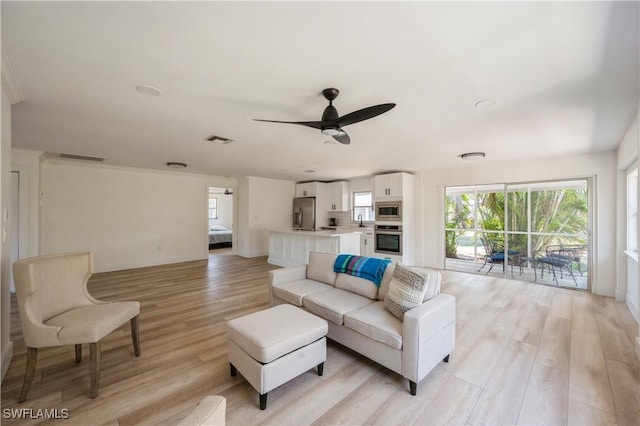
(210, 412)
(56, 309)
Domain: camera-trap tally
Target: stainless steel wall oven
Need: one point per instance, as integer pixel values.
(388, 239)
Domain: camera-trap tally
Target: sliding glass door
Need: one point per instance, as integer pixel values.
(536, 231)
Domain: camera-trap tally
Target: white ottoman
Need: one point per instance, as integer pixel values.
(273, 346)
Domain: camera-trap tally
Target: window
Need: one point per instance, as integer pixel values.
(213, 207)
(527, 221)
(363, 206)
(632, 211)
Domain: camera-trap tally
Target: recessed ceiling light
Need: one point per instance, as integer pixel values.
(470, 156)
(176, 165)
(148, 90)
(486, 103)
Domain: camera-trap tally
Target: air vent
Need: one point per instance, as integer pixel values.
(224, 140)
(81, 157)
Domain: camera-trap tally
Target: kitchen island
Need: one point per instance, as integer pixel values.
(291, 248)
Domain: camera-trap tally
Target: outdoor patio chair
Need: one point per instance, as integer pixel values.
(494, 254)
(558, 259)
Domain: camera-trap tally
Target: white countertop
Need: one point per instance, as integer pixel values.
(322, 233)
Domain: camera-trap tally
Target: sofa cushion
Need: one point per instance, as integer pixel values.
(320, 267)
(375, 322)
(294, 291)
(406, 290)
(357, 285)
(386, 280)
(333, 304)
(433, 289)
(434, 278)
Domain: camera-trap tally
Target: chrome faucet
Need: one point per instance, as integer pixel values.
(360, 219)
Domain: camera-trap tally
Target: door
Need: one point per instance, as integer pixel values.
(220, 218)
(537, 231)
(14, 218)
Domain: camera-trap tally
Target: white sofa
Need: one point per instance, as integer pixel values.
(354, 309)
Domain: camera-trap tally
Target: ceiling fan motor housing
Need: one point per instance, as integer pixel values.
(330, 113)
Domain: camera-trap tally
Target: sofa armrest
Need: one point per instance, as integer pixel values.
(285, 275)
(435, 318)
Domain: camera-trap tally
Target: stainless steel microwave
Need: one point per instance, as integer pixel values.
(389, 210)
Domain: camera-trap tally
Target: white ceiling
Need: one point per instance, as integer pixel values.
(565, 76)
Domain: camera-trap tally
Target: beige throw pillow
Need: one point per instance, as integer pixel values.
(406, 290)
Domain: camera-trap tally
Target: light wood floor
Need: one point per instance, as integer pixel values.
(525, 354)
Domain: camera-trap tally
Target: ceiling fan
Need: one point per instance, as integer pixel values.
(331, 123)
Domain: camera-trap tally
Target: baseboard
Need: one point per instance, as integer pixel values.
(250, 254)
(632, 308)
(7, 356)
(152, 262)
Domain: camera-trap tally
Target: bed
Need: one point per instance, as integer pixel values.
(219, 237)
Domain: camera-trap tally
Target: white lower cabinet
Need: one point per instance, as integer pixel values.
(328, 245)
(291, 248)
(367, 247)
(298, 246)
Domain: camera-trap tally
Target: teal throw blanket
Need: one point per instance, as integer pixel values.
(369, 268)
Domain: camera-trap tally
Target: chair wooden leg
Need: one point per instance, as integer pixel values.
(78, 353)
(94, 375)
(135, 335)
(32, 357)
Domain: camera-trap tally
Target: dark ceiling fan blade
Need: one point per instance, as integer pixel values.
(364, 114)
(342, 137)
(314, 124)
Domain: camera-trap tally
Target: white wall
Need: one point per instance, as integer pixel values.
(5, 238)
(127, 217)
(263, 204)
(627, 283)
(627, 286)
(601, 166)
(27, 163)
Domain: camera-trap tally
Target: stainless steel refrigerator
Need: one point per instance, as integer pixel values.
(304, 213)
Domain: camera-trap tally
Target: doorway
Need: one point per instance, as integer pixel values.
(220, 216)
(537, 231)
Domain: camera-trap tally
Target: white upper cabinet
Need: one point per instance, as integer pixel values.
(308, 189)
(337, 197)
(389, 186)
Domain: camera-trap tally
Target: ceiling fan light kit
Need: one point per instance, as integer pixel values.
(331, 123)
(329, 131)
